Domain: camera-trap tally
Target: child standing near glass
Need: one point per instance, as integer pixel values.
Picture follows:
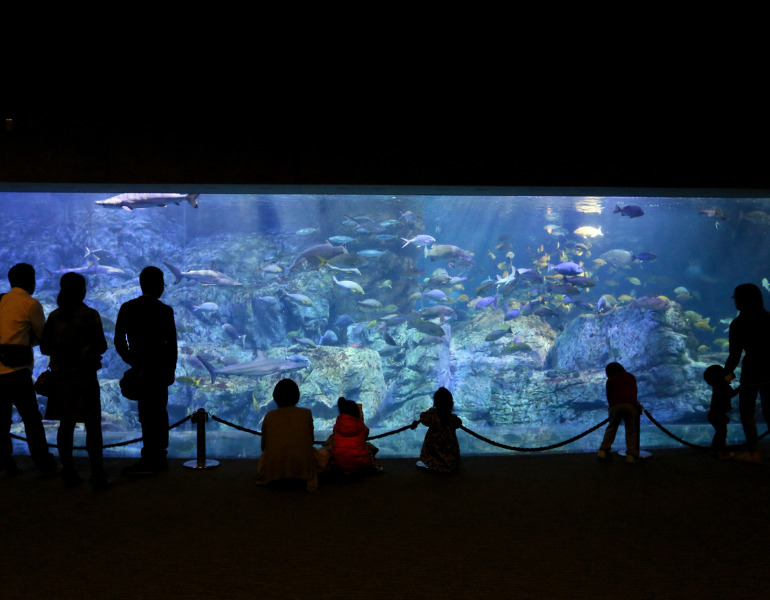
(721, 393)
(440, 449)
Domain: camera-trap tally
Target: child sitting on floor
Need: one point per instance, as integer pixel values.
(350, 452)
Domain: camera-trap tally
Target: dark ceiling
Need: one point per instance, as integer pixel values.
(467, 144)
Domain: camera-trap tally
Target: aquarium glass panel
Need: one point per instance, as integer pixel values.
(515, 303)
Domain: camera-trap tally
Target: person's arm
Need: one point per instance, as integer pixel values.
(265, 427)
(99, 341)
(120, 339)
(736, 349)
(172, 347)
(429, 417)
(46, 339)
(37, 322)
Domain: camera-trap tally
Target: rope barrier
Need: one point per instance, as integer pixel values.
(686, 443)
(234, 426)
(116, 444)
(382, 435)
(240, 428)
(542, 448)
(672, 436)
(405, 427)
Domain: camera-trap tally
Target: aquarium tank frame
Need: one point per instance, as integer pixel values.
(228, 436)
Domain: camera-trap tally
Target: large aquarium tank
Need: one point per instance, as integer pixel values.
(513, 301)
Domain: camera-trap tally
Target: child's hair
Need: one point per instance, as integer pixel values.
(613, 368)
(443, 403)
(348, 407)
(713, 374)
(286, 393)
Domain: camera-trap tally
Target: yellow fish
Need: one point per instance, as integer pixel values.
(509, 254)
(634, 281)
(588, 232)
(492, 255)
(703, 348)
(704, 326)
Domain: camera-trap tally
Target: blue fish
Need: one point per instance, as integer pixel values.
(602, 306)
(486, 302)
(511, 313)
(344, 321)
(340, 239)
(329, 338)
(436, 295)
(371, 253)
(629, 210)
(566, 268)
(644, 256)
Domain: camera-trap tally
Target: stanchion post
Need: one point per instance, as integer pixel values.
(201, 462)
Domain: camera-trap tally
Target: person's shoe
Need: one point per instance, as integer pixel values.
(631, 459)
(602, 455)
(421, 465)
(726, 455)
(140, 468)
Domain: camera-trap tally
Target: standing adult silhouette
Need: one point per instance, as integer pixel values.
(74, 339)
(750, 337)
(145, 338)
(21, 325)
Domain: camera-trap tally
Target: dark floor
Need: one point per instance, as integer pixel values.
(680, 524)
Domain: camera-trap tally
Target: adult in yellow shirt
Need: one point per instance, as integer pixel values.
(21, 325)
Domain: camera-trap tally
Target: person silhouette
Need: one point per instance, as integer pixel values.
(145, 338)
(287, 440)
(74, 339)
(623, 406)
(750, 337)
(21, 325)
(721, 394)
(440, 448)
(350, 452)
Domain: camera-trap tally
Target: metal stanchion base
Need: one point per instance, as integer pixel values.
(196, 464)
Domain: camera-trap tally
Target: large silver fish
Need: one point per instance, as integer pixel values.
(92, 269)
(323, 252)
(260, 367)
(132, 201)
(206, 276)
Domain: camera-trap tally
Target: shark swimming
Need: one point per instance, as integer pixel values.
(260, 367)
(132, 201)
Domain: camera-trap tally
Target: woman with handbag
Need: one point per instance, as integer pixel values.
(74, 339)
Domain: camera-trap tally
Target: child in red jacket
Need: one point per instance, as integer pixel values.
(623, 406)
(350, 452)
